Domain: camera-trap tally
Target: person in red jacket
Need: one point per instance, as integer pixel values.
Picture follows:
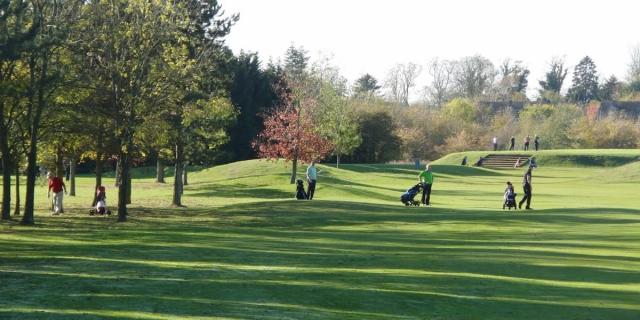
(57, 186)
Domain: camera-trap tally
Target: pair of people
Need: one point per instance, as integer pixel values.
(509, 192)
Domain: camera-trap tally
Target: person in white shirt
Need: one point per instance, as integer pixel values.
(312, 177)
(495, 143)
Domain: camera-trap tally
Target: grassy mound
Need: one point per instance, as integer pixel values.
(556, 158)
(244, 249)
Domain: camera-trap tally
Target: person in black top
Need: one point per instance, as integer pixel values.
(526, 185)
(536, 142)
(513, 143)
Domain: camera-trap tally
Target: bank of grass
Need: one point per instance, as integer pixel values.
(558, 158)
(243, 249)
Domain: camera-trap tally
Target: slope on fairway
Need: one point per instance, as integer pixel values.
(243, 249)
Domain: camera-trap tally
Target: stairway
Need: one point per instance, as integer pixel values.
(505, 161)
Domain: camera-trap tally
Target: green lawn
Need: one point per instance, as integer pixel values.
(243, 249)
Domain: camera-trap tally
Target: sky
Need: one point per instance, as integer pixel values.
(371, 36)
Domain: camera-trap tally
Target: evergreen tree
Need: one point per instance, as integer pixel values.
(366, 87)
(585, 82)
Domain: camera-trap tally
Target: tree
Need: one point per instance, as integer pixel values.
(585, 82)
(288, 136)
(551, 86)
(400, 79)
(473, 76)
(17, 36)
(337, 122)
(252, 93)
(514, 80)
(460, 110)
(45, 65)
(609, 89)
(441, 72)
(380, 142)
(366, 87)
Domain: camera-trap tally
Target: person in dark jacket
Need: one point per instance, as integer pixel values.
(526, 185)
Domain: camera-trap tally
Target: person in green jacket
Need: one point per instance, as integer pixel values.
(426, 178)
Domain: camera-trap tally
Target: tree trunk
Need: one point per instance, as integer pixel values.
(118, 172)
(294, 168)
(185, 180)
(337, 160)
(177, 177)
(159, 171)
(6, 183)
(16, 212)
(99, 165)
(128, 185)
(72, 176)
(123, 161)
(59, 163)
(28, 217)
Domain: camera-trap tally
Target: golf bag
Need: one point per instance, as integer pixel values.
(510, 201)
(300, 194)
(408, 197)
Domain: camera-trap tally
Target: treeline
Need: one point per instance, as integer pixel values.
(126, 83)
(468, 102)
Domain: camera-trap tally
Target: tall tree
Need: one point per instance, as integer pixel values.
(337, 121)
(17, 36)
(473, 76)
(441, 72)
(45, 65)
(551, 86)
(400, 80)
(252, 94)
(366, 87)
(609, 89)
(585, 82)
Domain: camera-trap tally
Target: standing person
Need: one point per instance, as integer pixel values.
(495, 143)
(513, 143)
(426, 178)
(527, 139)
(312, 177)
(536, 142)
(57, 185)
(526, 185)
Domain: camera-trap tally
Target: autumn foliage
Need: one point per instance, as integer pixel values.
(289, 136)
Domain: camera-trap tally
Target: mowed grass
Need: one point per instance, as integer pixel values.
(244, 249)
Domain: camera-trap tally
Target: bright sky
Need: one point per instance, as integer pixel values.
(370, 36)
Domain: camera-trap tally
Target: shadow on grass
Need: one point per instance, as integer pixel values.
(324, 259)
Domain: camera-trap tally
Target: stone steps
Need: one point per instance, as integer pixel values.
(505, 161)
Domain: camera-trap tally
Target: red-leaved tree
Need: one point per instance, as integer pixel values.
(289, 136)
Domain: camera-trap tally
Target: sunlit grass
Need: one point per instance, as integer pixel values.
(244, 249)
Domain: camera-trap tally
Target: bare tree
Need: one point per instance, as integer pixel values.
(441, 72)
(634, 64)
(473, 76)
(400, 79)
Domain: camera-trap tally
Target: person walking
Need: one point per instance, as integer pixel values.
(526, 185)
(495, 143)
(513, 143)
(527, 139)
(536, 142)
(426, 178)
(57, 186)
(312, 178)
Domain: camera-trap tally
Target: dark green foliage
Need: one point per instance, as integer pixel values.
(554, 77)
(585, 82)
(366, 87)
(252, 93)
(610, 88)
(379, 141)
